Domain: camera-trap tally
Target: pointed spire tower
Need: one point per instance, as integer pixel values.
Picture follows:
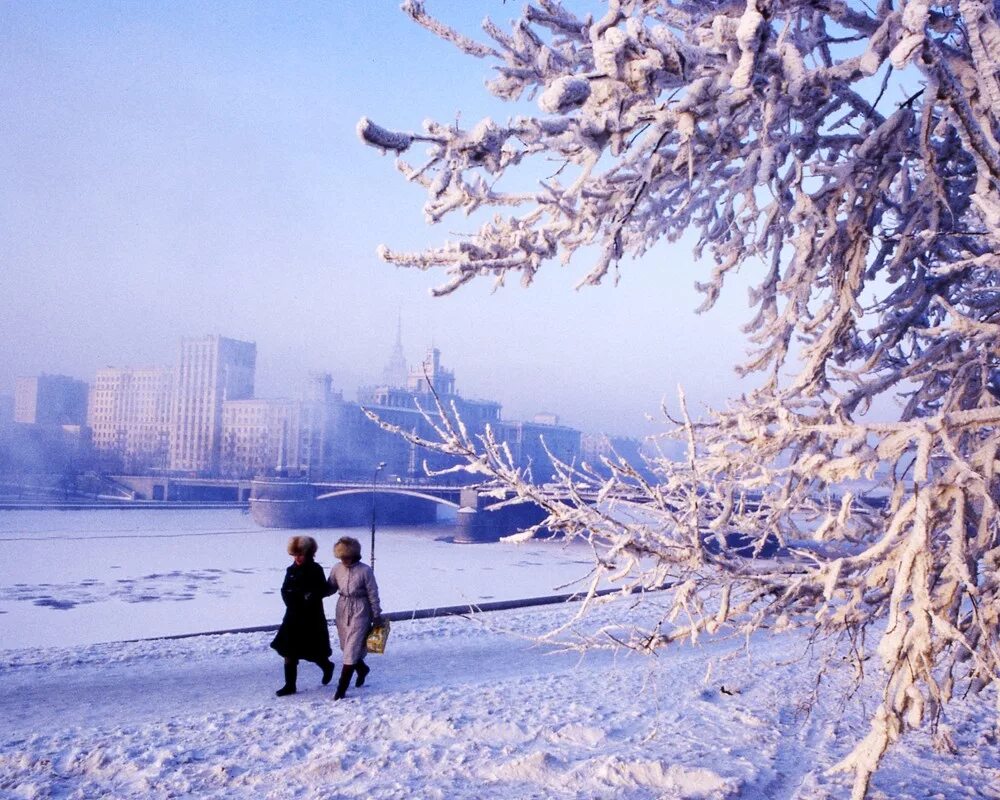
(395, 371)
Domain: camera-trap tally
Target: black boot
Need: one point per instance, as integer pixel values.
(327, 667)
(291, 673)
(362, 669)
(346, 672)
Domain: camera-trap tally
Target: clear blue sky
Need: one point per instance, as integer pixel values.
(185, 168)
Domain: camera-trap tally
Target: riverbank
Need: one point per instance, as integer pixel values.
(117, 504)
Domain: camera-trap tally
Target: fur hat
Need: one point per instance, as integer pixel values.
(302, 546)
(348, 548)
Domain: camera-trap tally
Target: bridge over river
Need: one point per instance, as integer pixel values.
(479, 514)
(289, 503)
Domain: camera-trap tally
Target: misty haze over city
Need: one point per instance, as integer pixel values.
(181, 170)
(240, 349)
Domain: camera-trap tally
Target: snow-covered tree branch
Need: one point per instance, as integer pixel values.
(847, 152)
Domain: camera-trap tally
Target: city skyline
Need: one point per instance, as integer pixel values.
(196, 168)
(378, 377)
(202, 417)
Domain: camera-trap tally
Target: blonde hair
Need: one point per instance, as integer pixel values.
(302, 546)
(348, 548)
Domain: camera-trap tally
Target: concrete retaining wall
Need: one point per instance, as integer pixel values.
(429, 613)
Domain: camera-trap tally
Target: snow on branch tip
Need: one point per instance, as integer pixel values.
(384, 140)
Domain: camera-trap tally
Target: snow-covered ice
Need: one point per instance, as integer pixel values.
(78, 577)
(458, 707)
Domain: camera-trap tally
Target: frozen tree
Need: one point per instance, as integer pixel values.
(846, 154)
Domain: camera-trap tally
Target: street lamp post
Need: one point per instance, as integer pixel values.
(378, 469)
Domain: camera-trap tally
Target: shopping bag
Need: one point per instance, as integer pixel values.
(377, 637)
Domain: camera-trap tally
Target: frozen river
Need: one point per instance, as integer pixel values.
(80, 577)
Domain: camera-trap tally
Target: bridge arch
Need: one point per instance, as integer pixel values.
(388, 490)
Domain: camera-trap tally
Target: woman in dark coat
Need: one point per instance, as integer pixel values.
(303, 633)
(358, 608)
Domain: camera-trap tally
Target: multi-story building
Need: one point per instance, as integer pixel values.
(415, 410)
(429, 376)
(531, 443)
(50, 400)
(27, 449)
(211, 370)
(129, 417)
(201, 417)
(48, 434)
(259, 437)
(595, 449)
(290, 437)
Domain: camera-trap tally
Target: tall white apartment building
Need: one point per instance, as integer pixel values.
(211, 370)
(128, 412)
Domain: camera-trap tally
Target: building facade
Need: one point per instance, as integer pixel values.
(259, 437)
(50, 400)
(129, 415)
(598, 449)
(299, 438)
(415, 409)
(46, 432)
(211, 370)
(534, 444)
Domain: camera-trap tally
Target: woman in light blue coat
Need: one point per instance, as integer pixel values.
(358, 609)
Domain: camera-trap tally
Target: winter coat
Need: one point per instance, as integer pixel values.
(304, 633)
(357, 607)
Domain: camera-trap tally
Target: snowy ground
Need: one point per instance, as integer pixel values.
(457, 708)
